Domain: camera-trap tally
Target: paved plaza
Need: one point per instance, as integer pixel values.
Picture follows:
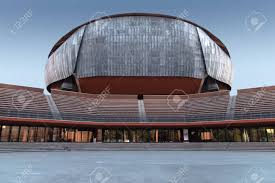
(138, 167)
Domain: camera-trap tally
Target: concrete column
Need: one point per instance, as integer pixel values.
(185, 135)
(157, 135)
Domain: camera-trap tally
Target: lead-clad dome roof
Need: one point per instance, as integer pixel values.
(139, 45)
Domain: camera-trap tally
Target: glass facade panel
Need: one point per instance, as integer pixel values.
(106, 136)
(24, 132)
(139, 136)
(206, 135)
(119, 135)
(171, 136)
(14, 136)
(133, 135)
(146, 135)
(32, 134)
(40, 134)
(222, 135)
(70, 135)
(57, 135)
(163, 135)
(78, 136)
(245, 135)
(109, 135)
(127, 136)
(237, 135)
(85, 137)
(230, 135)
(253, 135)
(49, 135)
(46, 134)
(5, 135)
(152, 135)
(91, 136)
(270, 134)
(262, 134)
(194, 135)
(179, 135)
(113, 136)
(215, 133)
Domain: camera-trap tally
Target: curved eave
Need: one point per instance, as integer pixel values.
(212, 36)
(198, 124)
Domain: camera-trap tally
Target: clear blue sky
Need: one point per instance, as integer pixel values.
(24, 52)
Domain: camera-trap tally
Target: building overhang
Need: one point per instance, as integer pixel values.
(92, 124)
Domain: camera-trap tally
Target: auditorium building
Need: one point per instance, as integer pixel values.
(137, 78)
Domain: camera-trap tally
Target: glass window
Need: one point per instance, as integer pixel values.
(48, 134)
(253, 135)
(57, 135)
(127, 135)
(230, 135)
(78, 136)
(215, 133)
(32, 134)
(109, 135)
(113, 135)
(270, 134)
(222, 136)
(5, 135)
(85, 137)
(119, 135)
(24, 131)
(245, 135)
(206, 135)
(70, 135)
(194, 135)
(40, 134)
(90, 136)
(64, 135)
(163, 135)
(139, 136)
(14, 134)
(262, 135)
(237, 135)
(146, 135)
(106, 135)
(152, 135)
(133, 136)
(179, 135)
(171, 136)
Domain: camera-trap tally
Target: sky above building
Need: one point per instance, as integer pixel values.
(29, 29)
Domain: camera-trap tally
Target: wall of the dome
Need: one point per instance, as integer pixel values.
(139, 46)
(218, 63)
(62, 63)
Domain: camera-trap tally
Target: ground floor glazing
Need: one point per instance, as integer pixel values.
(9, 133)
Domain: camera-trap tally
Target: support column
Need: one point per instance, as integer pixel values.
(157, 135)
(185, 135)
